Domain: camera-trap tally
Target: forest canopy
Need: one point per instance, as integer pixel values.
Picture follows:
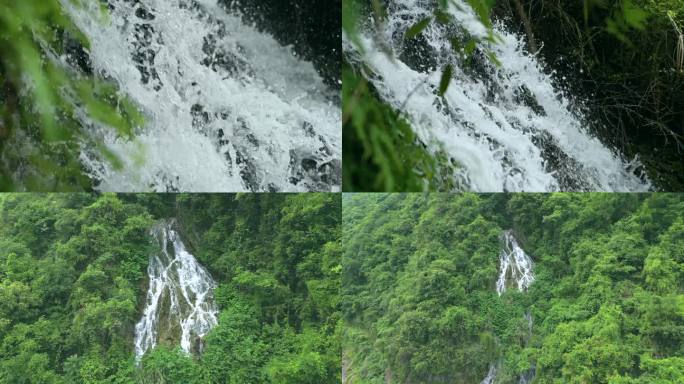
(73, 283)
(420, 304)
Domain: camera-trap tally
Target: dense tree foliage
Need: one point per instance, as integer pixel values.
(73, 284)
(419, 299)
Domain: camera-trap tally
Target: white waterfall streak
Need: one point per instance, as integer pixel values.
(506, 126)
(179, 298)
(514, 266)
(491, 375)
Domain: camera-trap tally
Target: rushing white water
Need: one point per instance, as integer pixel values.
(515, 266)
(180, 303)
(505, 126)
(228, 108)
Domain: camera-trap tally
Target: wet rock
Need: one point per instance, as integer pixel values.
(76, 55)
(524, 96)
(313, 172)
(308, 164)
(252, 140)
(308, 129)
(222, 137)
(166, 183)
(218, 59)
(200, 117)
(144, 55)
(248, 172)
(243, 134)
(569, 172)
(144, 14)
(418, 54)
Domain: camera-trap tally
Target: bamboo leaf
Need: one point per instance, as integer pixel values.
(446, 79)
(417, 28)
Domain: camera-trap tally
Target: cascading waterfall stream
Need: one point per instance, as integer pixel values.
(505, 127)
(228, 108)
(515, 269)
(527, 376)
(180, 303)
(515, 266)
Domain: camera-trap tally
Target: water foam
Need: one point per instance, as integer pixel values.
(506, 126)
(228, 108)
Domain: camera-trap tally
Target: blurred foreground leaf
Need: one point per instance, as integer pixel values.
(46, 102)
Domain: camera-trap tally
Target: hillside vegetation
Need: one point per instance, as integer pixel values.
(73, 285)
(419, 298)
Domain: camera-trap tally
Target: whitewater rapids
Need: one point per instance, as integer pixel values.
(505, 127)
(228, 108)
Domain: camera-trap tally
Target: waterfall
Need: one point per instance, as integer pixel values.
(514, 266)
(180, 303)
(506, 127)
(227, 107)
(527, 376)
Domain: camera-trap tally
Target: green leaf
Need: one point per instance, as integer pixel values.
(417, 28)
(443, 17)
(634, 16)
(492, 56)
(446, 79)
(482, 8)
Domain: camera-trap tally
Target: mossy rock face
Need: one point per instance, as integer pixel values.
(169, 323)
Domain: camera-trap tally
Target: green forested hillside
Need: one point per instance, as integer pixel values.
(73, 282)
(419, 293)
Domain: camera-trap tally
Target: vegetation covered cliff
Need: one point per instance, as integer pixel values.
(420, 300)
(73, 283)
